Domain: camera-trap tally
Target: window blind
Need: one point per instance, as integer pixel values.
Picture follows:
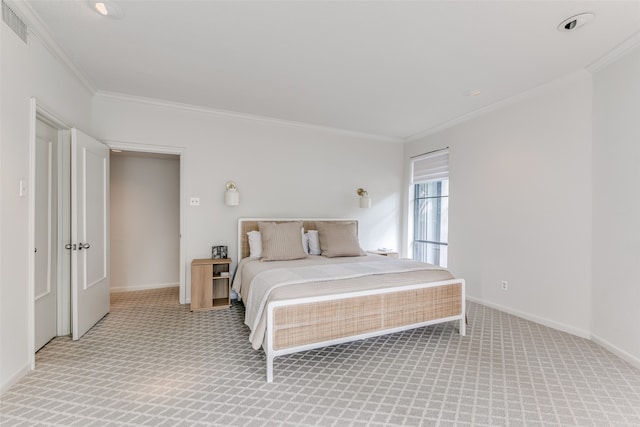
(430, 167)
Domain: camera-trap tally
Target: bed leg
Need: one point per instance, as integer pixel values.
(463, 327)
(269, 368)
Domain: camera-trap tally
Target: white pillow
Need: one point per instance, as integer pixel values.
(305, 242)
(314, 242)
(255, 244)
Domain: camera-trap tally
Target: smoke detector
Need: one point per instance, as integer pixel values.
(576, 21)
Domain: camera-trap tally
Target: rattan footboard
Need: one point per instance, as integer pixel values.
(316, 322)
(300, 325)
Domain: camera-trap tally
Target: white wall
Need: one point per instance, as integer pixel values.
(28, 70)
(520, 203)
(616, 206)
(145, 221)
(280, 170)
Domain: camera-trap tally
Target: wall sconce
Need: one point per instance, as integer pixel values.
(365, 200)
(231, 196)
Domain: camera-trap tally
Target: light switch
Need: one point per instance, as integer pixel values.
(195, 201)
(23, 188)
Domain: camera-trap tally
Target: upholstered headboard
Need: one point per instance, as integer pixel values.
(251, 224)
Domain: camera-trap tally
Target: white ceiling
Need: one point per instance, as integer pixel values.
(386, 68)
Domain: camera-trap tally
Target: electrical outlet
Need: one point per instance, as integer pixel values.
(195, 201)
(504, 285)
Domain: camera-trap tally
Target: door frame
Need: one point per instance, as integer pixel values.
(181, 152)
(37, 111)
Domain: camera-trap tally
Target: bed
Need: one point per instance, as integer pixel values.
(296, 302)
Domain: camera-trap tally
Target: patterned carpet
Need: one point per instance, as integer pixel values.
(153, 362)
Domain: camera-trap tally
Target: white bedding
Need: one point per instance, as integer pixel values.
(258, 282)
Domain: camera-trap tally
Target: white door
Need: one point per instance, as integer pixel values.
(89, 232)
(46, 220)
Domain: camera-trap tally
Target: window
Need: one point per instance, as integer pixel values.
(430, 181)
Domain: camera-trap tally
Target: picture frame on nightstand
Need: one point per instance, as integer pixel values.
(219, 252)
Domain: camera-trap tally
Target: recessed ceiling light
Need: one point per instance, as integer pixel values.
(101, 8)
(106, 8)
(576, 21)
(472, 92)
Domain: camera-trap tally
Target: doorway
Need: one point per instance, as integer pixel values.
(145, 220)
(179, 153)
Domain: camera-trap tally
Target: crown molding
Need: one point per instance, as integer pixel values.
(243, 116)
(37, 27)
(498, 105)
(614, 54)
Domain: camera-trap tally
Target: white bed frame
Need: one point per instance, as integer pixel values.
(269, 348)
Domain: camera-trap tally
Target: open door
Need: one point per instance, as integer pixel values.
(89, 232)
(46, 236)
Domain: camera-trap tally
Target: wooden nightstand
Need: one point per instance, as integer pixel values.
(389, 253)
(210, 284)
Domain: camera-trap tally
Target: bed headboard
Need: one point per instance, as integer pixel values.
(251, 224)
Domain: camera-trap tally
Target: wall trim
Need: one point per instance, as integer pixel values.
(627, 357)
(143, 148)
(243, 116)
(5, 386)
(498, 105)
(126, 288)
(614, 54)
(533, 318)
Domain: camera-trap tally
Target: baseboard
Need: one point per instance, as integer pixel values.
(143, 287)
(627, 357)
(15, 378)
(541, 320)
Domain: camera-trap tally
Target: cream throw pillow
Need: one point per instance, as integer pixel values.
(281, 241)
(338, 239)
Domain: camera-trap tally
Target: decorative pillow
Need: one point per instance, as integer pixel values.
(255, 244)
(281, 241)
(338, 239)
(314, 242)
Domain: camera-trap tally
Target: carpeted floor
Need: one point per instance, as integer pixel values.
(153, 362)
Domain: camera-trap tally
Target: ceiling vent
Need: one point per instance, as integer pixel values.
(575, 22)
(14, 22)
